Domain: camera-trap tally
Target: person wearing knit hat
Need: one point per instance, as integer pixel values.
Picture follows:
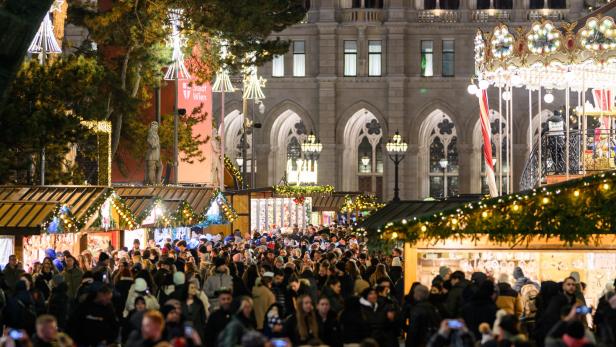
(444, 272)
(179, 278)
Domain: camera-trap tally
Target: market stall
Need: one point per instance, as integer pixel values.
(164, 212)
(326, 208)
(96, 215)
(549, 232)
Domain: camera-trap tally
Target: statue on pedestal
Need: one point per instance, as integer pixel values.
(153, 166)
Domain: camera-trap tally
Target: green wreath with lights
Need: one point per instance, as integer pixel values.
(294, 191)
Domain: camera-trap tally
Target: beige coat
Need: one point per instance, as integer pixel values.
(263, 298)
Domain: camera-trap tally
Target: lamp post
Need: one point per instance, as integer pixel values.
(222, 84)
(175, 72)
(443, 164)
(311, 148)
(252, 91)
(396, 148)
(240, 162)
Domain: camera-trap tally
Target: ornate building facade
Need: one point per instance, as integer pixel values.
(358, 70)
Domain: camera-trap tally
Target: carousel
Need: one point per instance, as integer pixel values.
(575, 60)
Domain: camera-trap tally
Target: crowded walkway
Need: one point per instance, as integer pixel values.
(318, 286)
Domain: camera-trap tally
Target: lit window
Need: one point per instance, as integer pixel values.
(350, 58)
(299, 59)
(449, 54)
(278, 66)
(427, 56)
(374, 58)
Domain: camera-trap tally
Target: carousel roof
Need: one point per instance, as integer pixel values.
(549, 55)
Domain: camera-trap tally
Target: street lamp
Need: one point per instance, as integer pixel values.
(443, 164)
(175, 72)
(311, 148)
(396, 148)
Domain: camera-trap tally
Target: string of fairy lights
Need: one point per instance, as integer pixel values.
(575, 211)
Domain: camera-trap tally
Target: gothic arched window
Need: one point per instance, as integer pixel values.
(443, 155)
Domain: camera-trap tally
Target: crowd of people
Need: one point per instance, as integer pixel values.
(309, 287)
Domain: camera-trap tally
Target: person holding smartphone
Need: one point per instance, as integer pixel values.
(452, 333)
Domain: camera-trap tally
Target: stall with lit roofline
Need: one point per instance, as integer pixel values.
(576, 217)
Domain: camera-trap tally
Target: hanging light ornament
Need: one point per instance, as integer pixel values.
(252, 82)
(222, 82)
(177, 69)
(44, 41)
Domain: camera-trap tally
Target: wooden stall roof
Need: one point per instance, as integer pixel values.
(78, 198)
(141, 204)
(398, 210)
(24, 217)
(332, 202)
(197, 197)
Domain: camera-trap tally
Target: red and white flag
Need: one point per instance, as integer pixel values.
(486, 131)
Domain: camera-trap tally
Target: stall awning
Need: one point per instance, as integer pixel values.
(399, 210)
(197, 197)
(79, 198)
(24, 217)
(333, 202)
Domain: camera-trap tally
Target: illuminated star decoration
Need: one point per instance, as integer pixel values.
(177, 69)
(222, 83)
(253, 83)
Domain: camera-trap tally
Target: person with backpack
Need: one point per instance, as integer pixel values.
(521, 280)
(508, 299)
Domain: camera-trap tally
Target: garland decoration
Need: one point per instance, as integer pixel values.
(575, 211)
(361, 203)
(184, 215)
(60, 221)
(237, 175)
(127, 219)
(294, 191)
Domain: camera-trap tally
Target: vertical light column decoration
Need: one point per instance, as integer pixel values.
(311, 149)
(222, 85)
(45, 43)
(102, 130)
(175, 72)
(253, 85)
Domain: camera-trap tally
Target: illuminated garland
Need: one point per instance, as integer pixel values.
(293, 191)
(575, 211)
(60, 221)
(237, 175)
(127, 219)
(361, 203)
(229, 212)
(185, 215)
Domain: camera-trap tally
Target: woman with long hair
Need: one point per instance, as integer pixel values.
(379, 273)
(250, 277)
(302, 327)
(194, 308)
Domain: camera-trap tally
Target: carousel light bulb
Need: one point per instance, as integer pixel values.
(472, 89)
(483, 84)
(548, 97)
(506, 95)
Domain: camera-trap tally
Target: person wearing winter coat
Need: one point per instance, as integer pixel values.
(219, 318)
(354, 327)
(194, 309)
(550, 315)
(453, 302)
(140, 288)
(424, 319)
(59, 300)
(570, 331)
(12, 273)
(241, 323)
(508, 299)
(332, 291)
(263, 297)
(374, 316)
(94, 321)
(302, 327)
(72, 276)
(481, 308)
(604, 319)
(218, 280)
(329, 326)
(521, 280)
(19, 312)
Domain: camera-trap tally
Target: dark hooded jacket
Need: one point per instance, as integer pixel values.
(480, 309)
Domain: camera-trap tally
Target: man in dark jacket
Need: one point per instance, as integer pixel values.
(453, 303)
(332, 290)
(11, 273)
(72, 276)
(424, 320)
(94, 321)
(558, 304)
(219, 318)
(58, 305)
